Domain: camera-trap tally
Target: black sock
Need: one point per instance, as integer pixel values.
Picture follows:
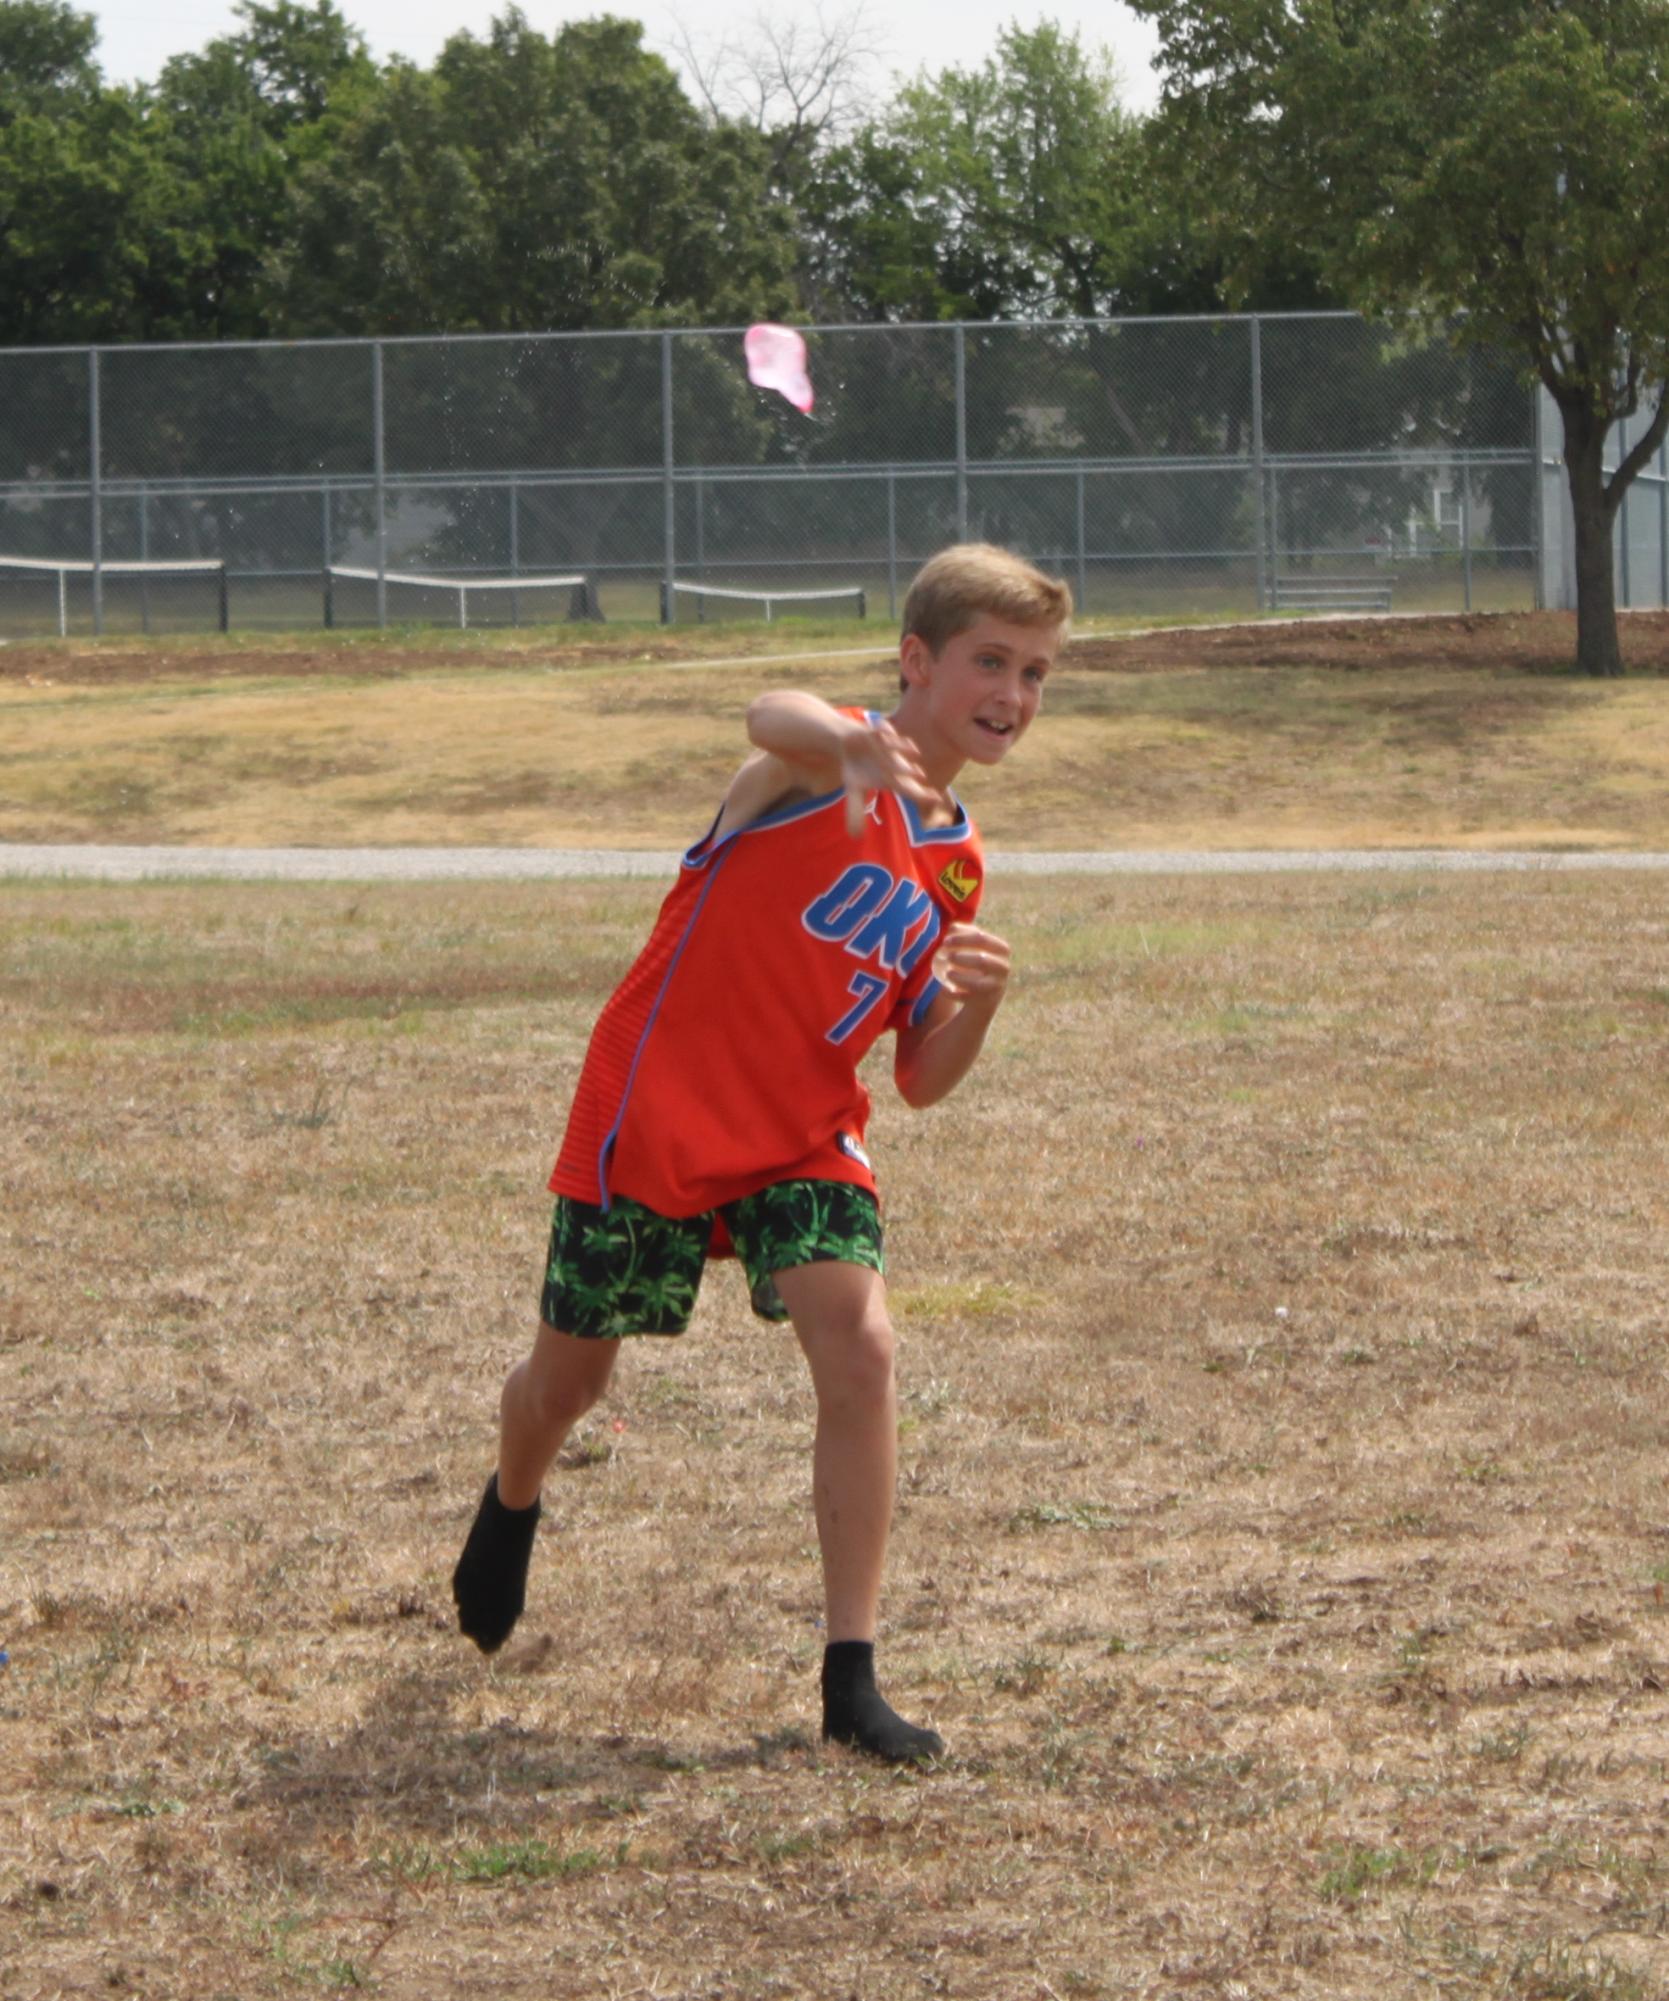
(855, 1712)
(490, 1582)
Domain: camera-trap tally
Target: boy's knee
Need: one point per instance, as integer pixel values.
(859, 1363)
(562, 1379)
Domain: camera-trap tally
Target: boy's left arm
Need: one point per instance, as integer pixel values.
(934, 1056)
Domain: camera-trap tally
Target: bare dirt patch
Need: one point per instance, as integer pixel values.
(369, 656)
(1497, 642)
(1281, 1545)
(1510, 642)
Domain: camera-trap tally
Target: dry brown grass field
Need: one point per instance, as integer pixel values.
(1282, 1531)
(1447, 732)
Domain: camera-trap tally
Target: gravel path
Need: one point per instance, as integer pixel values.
(138, 864)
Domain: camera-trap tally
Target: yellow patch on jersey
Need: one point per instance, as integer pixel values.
(961, 879)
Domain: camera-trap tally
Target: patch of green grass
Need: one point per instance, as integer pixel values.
(972, 1299)
(773, 1848)
(1062, 1515)
(593, 1451)
(140, 1805)
(328, 1970)
(1356, 1871)
(531, 1860)
(1025, 1674)
(1502, 1747)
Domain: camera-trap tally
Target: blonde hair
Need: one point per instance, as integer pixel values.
(971, 580)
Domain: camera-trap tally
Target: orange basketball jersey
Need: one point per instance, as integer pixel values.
(727, 1058)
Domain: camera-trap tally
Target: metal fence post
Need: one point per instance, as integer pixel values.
(1624, 570)
(515, 549)
(145, 557)
(1466, 527)
(961, 433)
(1274, 539)
(95, 488)
(669, 527)
(379, 462)
(1258, 527)
(892, 542)
(1083, 587)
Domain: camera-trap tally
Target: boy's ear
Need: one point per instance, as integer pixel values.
(915, 656)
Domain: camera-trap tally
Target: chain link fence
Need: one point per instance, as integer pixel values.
(1165, 467)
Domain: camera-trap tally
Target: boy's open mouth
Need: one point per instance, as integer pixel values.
(1001, 731)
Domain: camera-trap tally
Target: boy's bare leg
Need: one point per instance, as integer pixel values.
(840, 1315)
(544, 1397)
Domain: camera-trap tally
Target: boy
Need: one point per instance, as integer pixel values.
(719, 1106)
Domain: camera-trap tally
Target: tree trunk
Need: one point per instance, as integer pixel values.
(1597, 648)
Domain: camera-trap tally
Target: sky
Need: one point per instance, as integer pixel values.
(136, 37)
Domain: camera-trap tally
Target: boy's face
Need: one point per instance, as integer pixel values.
(984, 688)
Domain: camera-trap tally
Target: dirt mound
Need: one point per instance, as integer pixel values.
(1523, 642)
(1492, 642)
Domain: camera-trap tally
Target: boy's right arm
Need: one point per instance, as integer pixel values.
(803, 746)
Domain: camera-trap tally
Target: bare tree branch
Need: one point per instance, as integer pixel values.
(799, 79)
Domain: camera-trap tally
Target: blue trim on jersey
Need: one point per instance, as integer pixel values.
(779, 816)
(692, 857)
(924, 1000)
(613, 1132)
(922, 835)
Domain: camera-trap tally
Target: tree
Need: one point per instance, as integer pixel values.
(46, 56)
(795, 80)
(236, 121)
(530, 182)
(299, 60)
(1497, 166)
(998, 192)
(84, 211)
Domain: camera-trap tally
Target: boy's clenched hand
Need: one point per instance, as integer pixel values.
(973, 965)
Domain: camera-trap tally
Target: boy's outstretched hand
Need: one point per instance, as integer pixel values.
(878, 759)
(972, 965)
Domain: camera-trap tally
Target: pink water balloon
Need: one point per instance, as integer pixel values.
(777, 360)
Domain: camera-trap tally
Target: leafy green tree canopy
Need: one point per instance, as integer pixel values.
(233, 122)
(993, 192)
(83, 203)
(279, 73)
(532, 182)
(46, 56)
(1498, 165)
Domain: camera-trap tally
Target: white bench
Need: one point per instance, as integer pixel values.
(1332, 594)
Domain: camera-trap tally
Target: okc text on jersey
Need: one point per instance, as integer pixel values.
(876, 916)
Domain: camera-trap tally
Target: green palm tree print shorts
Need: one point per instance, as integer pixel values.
(630, 1270)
